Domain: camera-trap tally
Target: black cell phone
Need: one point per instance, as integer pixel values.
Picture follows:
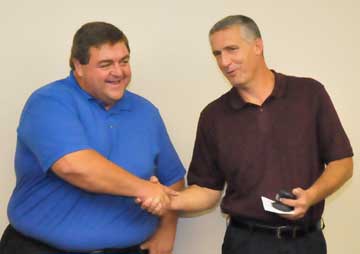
(284, 194)
(282, 207)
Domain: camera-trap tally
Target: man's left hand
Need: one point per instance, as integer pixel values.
(162, 242)
(301, 204)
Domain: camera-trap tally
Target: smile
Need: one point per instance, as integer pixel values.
(113, 82)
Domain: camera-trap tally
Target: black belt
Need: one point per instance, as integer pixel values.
(35, 244)
(129, 250)
(285, 231)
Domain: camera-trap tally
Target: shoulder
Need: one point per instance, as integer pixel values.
(56, 92)
(305, 84)
(305, 91)
(56, 89)
(217, 106)
(140, 103)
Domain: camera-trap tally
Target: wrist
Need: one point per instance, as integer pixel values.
(312, 196)
(174, 204)
(142, 188)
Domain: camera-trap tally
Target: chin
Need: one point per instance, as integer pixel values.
(239, 85)
(117, 95)
(117, 98)
(239, 82)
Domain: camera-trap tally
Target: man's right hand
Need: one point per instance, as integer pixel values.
(192, 199)
(156, 198)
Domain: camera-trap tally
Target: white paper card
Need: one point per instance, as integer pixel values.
(267, 204)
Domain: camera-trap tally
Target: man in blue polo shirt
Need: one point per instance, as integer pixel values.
(86, 148)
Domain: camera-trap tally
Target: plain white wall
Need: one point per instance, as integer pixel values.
(173, 67)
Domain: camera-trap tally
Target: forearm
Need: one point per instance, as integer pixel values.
(169, 220)
(195, 199)
(170, 217)
(90, 171)
(334, 176)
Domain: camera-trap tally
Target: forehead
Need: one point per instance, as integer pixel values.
(109, 51)
(229, 35)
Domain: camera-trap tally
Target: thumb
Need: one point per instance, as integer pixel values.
(138, 200)
(171, 192)
(145, 245)
(297, 191)
(154, 179)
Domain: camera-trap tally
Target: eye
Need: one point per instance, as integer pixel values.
(216, 53)
(125, 61)
(104, 65)
(233, 48)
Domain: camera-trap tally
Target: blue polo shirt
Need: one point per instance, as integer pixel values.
(61, 118)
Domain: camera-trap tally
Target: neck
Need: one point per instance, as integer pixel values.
(260, 87)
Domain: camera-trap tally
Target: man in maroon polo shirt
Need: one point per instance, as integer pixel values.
(269, 132)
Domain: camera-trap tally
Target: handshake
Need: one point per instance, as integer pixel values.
(157, 198)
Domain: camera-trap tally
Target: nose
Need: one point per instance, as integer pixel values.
(117, 70)
(224, 60)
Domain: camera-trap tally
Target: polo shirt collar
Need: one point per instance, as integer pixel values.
(237, 102)
(280, 85)
(123, 104)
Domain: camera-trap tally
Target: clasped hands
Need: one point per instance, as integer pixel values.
(157, 199)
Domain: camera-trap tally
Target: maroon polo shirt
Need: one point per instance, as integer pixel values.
(258, 150)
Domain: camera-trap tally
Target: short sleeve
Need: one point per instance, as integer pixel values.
(169, 167)
(50, 128)
(334, 143)
(203, 170)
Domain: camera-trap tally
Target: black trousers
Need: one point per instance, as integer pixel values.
(12, 242)
(244, 241)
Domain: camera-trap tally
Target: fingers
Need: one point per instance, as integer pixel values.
(153, 206)
(157, 198)
(301, 204)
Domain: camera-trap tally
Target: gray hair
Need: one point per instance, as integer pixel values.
(251, 30)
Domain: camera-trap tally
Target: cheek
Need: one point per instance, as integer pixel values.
(221, 66)
(98, 75)
(239, 58)
(128, 72)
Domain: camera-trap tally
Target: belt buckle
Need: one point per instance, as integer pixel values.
(279, 230)
(294, 231)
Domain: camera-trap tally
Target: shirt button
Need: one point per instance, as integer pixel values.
(110, 126)
(261, 109)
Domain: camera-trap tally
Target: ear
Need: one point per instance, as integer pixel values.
(259, 46)
(78, 67)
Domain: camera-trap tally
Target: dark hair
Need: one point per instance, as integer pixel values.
(251, 29)
(94, 34)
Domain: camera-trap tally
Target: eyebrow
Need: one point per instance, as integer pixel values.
(217, 52)
(110, 61)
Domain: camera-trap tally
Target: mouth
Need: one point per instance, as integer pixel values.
(231, 70)
(231, 73)
(113, 82)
